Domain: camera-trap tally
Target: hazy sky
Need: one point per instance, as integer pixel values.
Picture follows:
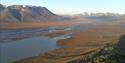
(73, 6)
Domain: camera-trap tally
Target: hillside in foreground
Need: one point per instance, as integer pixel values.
(111, 53)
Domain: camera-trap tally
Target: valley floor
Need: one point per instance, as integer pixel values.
(43, 24)
(82, 43)
(84, 40)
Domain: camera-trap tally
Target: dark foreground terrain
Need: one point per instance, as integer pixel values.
(110, 53)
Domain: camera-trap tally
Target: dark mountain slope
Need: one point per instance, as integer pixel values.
(19, 13)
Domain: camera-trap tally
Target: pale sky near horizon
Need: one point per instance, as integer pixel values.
(73, 6)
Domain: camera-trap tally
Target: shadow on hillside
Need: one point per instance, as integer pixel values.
(119, 50)
(111, 53)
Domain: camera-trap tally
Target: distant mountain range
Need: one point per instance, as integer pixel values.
(20, 13)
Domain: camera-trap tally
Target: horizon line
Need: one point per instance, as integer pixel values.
(66, 13)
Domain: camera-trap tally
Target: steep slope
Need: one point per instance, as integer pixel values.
(111, 53)
(19, 13)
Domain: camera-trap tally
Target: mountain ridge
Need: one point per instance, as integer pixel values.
(20, 13)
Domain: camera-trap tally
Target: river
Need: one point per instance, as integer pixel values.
(20, 49)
